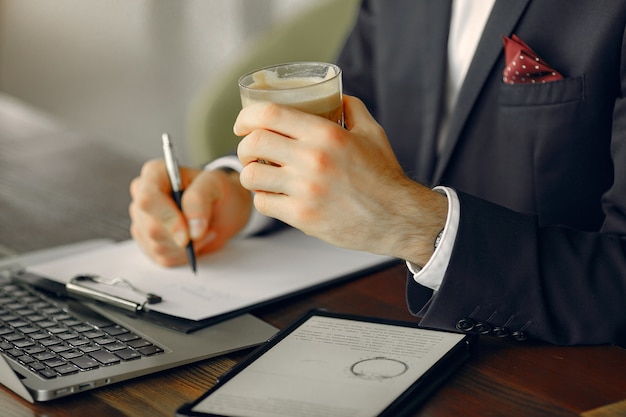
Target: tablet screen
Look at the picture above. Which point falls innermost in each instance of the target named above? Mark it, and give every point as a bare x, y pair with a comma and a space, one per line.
331, 367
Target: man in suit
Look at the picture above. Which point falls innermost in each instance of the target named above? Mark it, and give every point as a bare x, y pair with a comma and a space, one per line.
525, 233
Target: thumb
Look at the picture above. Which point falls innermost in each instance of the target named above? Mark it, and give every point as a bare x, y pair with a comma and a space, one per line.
355, 112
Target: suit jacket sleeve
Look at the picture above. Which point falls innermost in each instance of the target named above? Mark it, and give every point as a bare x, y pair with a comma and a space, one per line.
508, 276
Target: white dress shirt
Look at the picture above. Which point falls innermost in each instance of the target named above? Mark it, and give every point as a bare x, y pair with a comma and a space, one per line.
466, 27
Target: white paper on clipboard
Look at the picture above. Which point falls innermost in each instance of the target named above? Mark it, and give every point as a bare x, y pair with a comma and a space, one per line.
245, 273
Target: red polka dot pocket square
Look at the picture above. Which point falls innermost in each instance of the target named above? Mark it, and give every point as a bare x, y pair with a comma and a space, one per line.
524, 66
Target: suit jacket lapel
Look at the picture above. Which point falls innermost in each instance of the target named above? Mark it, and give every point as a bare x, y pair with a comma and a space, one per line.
431, 20
501, 22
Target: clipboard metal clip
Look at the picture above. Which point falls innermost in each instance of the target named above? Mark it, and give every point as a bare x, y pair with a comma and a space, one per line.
75, 286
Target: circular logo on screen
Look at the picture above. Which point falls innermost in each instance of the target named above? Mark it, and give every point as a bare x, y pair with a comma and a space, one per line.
378, 368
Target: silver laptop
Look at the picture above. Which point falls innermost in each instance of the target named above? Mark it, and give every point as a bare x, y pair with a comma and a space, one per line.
53, 347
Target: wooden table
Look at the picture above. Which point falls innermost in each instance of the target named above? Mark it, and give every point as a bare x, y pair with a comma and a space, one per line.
58, 187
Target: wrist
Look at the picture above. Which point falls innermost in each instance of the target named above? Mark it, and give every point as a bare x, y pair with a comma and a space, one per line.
428, 222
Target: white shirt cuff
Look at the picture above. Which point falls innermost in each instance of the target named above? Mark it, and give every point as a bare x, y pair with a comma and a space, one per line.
257, 222
431, 275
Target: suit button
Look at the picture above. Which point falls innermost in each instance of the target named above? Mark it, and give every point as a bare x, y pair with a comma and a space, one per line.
465, 325
483, 328
500, 331
519, 336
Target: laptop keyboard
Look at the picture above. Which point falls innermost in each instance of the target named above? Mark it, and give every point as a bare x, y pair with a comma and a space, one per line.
52, 340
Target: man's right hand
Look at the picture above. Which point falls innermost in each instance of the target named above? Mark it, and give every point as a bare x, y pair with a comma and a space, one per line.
215, 207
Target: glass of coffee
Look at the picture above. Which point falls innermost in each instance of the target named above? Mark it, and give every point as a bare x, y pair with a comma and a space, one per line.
313, 87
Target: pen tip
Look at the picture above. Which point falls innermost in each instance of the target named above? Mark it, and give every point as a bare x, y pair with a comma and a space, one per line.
192, 257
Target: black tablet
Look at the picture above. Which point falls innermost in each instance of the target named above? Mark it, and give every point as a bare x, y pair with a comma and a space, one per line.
329, 364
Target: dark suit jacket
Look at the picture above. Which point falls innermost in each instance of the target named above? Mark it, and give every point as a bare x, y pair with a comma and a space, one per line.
540, 169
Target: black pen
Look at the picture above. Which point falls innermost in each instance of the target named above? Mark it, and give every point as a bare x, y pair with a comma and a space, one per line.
174, 173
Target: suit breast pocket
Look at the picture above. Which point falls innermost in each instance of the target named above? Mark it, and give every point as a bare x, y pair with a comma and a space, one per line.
556, 92
555, 139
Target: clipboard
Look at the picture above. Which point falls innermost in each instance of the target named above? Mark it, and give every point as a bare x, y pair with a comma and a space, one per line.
73, 289
247, 274
335, 365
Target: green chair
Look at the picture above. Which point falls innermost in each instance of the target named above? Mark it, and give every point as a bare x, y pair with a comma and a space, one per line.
315, 35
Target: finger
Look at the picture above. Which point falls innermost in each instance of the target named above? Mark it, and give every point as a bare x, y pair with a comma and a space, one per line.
157, 214
220, 205
258, 177
154, 172
266, 147
278, 118
155, 241
154, 209
274, 205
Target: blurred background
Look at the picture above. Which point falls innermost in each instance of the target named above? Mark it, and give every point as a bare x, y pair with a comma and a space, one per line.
127, 70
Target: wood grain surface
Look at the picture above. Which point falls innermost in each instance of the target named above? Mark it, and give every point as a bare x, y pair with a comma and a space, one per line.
58, 186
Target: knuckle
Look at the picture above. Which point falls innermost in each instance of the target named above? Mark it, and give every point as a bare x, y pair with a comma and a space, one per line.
153, 230
317, 190
254, 139
152, 166
307, 215
142, 201
132, 210
321, 160
165, 260
328, 146
335, 135
135, 186
270, 111
161, 251
154, 249
247, 146
134, 231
